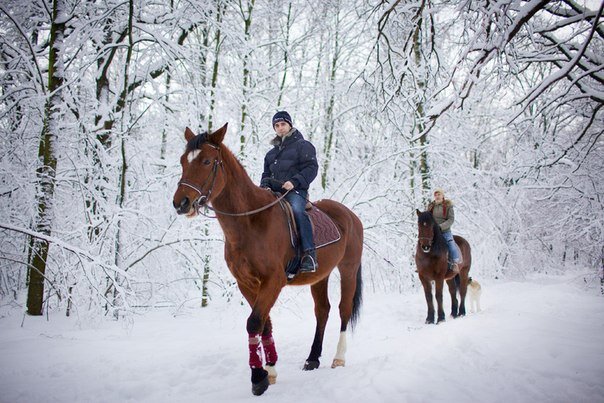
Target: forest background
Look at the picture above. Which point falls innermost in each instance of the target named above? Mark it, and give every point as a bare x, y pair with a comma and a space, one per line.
497, 102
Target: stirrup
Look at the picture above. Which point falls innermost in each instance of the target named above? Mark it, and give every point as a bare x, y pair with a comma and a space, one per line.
451, 274
308, 269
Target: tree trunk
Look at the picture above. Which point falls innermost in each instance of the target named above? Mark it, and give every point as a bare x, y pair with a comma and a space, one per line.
420, 115
329, 117
315, 112
285, 55
46, 153
247, 20
219, 14
125, 123
103, 126
205, 293
164, 134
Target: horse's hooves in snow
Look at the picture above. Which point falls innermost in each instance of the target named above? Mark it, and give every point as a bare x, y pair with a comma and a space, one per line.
259, 381
260, 387
337, 363
310, 365
272, 374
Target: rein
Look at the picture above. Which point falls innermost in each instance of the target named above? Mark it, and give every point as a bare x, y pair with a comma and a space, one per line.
271, 204
202, 199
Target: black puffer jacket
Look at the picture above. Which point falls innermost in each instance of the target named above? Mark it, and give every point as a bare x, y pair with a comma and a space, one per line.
293, 159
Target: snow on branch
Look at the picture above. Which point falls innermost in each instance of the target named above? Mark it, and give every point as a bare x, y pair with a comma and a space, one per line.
62, 244
565, 70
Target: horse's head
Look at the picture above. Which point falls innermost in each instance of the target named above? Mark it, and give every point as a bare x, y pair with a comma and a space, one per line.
425, 224
201, 177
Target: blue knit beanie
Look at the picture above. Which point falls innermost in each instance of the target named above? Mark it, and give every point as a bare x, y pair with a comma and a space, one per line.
282, 116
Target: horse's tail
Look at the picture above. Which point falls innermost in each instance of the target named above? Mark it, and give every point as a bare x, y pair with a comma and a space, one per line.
357, 299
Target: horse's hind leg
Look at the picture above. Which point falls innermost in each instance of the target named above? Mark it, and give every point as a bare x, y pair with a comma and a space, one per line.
453, 291
320, 296
351, 289
463, 289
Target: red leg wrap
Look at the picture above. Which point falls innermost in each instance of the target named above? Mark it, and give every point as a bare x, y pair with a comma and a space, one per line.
255, 351
270, 352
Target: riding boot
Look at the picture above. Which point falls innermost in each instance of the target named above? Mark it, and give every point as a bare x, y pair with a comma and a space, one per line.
452, 271
309, 262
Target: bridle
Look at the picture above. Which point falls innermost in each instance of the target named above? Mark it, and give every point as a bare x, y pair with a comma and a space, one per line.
202, 199
429, 240
426, 238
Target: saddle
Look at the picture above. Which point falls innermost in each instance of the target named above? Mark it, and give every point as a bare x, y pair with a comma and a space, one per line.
324, 231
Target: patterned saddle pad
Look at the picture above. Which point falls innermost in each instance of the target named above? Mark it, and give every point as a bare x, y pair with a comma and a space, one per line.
324, 230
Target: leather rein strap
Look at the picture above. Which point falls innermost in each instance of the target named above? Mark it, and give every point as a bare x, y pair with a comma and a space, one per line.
271, 204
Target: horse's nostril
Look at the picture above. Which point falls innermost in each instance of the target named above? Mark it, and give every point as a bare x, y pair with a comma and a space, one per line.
183, 207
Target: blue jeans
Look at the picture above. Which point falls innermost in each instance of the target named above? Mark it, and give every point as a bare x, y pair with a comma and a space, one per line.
454, 252
298, 203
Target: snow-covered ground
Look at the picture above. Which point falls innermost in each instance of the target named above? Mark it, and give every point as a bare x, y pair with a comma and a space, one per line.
540, 340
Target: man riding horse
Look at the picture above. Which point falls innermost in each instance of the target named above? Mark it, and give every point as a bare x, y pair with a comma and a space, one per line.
293, 162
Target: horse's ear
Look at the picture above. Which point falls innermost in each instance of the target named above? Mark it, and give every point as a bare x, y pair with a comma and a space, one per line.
189, 134
218, 135
417, 212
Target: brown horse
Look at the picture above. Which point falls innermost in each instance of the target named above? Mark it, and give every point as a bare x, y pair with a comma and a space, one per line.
431, 255
257, 248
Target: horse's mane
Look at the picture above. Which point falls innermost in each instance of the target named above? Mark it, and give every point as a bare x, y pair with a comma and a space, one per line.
197, 141
439, 245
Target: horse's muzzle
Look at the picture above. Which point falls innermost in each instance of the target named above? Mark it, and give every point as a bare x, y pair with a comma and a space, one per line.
184, 207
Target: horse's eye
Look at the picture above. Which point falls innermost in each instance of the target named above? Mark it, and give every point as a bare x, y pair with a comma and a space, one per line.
206, 162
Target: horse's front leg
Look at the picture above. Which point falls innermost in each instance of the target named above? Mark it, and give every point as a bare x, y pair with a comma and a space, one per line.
270, 351
265, 299
427, 284
438, 285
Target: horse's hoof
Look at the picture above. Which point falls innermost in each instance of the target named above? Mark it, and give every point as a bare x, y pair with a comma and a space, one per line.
272, 374
310, 365
260, 387
337, 363
260, 381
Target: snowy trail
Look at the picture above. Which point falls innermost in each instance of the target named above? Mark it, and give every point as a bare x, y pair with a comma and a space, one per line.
534, 341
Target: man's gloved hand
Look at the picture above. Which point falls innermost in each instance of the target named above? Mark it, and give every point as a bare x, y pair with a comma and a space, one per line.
271, 183
265, 183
